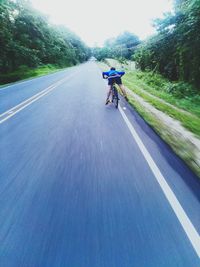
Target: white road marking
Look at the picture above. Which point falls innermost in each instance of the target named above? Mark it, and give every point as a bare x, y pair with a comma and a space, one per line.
29, 99
18, 83
187, 225
27, 81
14, 110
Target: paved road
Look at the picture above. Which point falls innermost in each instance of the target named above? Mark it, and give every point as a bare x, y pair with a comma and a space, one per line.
79, 189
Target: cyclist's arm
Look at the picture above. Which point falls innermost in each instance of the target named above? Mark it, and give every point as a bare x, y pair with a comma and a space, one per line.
121, 73
105, 74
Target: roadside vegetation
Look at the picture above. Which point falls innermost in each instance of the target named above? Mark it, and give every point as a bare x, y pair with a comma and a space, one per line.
188, 120
185, 147
185, 143
154, 89
168, 63
24, 72
176, 93
164, 80
173, 52
30, 45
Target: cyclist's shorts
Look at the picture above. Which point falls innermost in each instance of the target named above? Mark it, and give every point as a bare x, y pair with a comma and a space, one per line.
116, 80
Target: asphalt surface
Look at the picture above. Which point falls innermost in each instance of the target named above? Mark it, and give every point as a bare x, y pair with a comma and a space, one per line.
75, 189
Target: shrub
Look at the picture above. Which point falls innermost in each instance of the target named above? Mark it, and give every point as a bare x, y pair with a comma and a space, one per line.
152, 79
180, 89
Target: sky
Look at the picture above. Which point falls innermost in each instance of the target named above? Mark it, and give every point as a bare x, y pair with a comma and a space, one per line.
95, 21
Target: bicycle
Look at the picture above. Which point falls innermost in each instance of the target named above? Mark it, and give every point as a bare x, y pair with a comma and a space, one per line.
115, 97
114, 93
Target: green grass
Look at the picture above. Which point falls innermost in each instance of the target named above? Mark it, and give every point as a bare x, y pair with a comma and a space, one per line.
135, 81
184, 150
190, 122
157, 88
24, 73
160, 87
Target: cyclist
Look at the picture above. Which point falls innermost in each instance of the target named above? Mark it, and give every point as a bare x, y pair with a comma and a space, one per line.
114, 76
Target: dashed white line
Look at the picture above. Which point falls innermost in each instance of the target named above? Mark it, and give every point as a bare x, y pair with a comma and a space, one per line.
14, 110
187, 225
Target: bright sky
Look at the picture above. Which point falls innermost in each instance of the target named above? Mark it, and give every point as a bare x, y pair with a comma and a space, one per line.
95, 21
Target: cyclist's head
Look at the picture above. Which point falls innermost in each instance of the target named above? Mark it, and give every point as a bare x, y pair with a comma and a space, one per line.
112, 68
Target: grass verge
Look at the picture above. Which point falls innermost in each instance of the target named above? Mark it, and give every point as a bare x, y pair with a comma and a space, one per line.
25, 73
158, 86
187, 151
189, 121
182, 149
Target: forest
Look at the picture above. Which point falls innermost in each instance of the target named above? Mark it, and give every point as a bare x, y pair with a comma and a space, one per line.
28, 41
163, 76
174, 52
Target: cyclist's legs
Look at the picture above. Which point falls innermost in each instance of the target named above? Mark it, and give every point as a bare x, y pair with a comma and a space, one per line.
109, 91
122, 88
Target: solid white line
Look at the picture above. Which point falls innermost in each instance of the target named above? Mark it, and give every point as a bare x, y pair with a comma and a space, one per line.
32, 97
24, 102
24, 106
27, 81
14, 110
176, 206
18, 83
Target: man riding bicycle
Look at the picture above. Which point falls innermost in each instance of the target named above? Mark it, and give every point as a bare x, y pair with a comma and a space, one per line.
114, 76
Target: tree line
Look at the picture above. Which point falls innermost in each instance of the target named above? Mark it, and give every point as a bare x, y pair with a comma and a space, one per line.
120, 47
173, 52
28, 39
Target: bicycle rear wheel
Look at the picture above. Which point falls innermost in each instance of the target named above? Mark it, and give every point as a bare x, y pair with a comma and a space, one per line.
115, 97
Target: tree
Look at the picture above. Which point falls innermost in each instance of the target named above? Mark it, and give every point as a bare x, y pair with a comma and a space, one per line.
27, 38
123, 46
175, 50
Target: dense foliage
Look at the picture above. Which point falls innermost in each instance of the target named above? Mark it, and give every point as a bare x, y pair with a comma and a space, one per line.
123, 46
27, 39
175, 50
